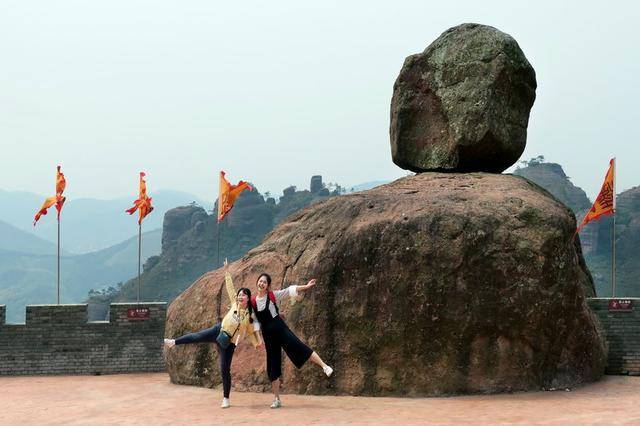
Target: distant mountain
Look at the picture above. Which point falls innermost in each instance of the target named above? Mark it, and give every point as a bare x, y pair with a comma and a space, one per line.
14, 239
88, 224
189, 243
627, 247
367, 185
551, 177
28, 278
19, 207
596, 236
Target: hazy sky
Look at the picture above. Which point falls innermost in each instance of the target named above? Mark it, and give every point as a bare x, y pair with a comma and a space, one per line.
273, 92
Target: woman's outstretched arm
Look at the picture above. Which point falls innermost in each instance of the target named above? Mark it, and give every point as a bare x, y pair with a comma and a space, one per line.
302, 288
293, 290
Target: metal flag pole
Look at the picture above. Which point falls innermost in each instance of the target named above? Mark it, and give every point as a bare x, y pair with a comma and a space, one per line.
139, 255
58, 258
613, 235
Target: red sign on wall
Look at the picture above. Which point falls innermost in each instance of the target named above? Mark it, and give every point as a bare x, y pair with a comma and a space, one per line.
620, 305
138, 313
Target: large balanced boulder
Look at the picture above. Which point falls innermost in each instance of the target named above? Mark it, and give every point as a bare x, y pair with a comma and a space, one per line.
434, 284
463, 104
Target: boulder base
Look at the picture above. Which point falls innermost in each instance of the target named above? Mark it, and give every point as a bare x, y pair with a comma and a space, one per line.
434, 284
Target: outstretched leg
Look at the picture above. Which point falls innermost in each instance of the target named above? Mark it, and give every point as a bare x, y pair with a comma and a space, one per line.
299, 353
315, 358
206, 335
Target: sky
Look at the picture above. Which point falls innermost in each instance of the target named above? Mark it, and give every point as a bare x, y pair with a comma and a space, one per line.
275, 92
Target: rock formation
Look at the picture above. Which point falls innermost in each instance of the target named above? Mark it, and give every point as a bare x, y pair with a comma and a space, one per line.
316, 184
628, 242
189, 244
595, 238
463, 104
627, 247
439, 283
434, 284
551, 177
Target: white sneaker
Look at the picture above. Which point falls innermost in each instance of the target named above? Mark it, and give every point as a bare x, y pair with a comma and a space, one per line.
276, 403
225, 403
328, 371
169, 343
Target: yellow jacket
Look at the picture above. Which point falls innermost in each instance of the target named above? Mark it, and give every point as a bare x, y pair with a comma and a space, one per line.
236, 322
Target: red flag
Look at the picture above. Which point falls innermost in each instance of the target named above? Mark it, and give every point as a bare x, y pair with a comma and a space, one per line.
605, 201
143, 203
228, 195
58, 200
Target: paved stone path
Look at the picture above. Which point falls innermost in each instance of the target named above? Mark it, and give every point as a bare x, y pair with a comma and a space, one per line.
144, 399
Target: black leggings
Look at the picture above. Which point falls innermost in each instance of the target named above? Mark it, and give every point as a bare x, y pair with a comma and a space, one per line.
226, 355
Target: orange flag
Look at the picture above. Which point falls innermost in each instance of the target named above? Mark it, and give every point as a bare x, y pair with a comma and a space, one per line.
143, 203
228, 195
58, 200
605, 202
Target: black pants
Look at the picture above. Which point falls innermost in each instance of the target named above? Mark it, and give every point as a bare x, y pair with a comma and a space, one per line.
278, 336
226, 355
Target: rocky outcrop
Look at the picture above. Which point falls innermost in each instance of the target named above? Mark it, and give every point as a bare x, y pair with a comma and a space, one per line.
433, 284
595, 238
189, 244
316, 184
552, 177
463, 104
628, 223
627, 246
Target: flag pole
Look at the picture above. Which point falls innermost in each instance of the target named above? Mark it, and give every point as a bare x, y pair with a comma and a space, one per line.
218, 242
139, 255
58, 258
613, 235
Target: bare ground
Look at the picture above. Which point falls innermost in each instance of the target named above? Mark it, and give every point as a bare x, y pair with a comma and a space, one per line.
143, 399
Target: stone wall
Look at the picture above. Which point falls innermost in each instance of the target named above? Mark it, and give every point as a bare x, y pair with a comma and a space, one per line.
58, 339
622, 331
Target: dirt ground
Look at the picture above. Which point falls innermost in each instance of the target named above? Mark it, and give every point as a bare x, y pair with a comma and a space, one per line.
144, 399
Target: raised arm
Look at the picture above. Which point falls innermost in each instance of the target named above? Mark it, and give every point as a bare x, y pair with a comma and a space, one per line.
228, 282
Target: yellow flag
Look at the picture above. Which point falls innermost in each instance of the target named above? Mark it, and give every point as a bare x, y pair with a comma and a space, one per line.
228, 195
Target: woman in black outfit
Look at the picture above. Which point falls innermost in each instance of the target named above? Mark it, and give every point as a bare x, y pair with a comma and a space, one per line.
278, 336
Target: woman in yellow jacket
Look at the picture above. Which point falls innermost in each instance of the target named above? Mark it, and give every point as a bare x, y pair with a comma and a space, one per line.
240, 321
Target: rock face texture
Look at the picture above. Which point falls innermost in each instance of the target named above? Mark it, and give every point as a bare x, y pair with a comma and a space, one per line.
463, 104
435, 284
